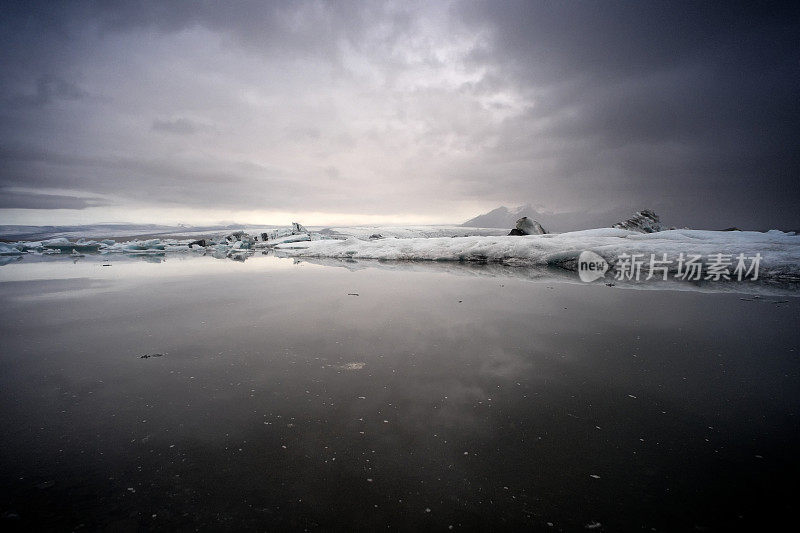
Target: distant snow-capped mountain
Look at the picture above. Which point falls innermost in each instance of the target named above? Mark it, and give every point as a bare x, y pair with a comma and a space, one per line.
502, 217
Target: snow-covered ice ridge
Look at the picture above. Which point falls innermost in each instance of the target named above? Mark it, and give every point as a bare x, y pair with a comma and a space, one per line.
780, 252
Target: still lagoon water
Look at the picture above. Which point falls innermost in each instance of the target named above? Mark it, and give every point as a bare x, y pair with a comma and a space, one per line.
202, 394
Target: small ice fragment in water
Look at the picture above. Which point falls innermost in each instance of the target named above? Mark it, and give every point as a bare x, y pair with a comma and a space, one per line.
595, 476
427, 509
631, 396
593, 525
353, 366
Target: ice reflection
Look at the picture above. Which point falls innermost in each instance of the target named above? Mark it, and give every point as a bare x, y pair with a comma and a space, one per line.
122, 267
549, 274
148, 265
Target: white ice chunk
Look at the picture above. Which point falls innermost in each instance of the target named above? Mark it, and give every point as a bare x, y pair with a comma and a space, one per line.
8, 249
780, 252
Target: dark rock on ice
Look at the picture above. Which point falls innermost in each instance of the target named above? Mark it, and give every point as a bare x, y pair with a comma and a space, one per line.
526, 226
199, 242
235, 236
644, 221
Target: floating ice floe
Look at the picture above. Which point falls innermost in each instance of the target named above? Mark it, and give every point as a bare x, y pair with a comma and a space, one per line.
644, 221
64, 244
779, 251
9, 249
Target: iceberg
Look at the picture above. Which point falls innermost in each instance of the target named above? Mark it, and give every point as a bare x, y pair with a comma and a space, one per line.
150, 245
300, 237
63, 243
298, 228
644, 221
8, 249
526, 226
779, 251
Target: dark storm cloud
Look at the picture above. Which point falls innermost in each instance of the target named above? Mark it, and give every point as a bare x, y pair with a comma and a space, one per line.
139, 179
382, 107
689, 106
27, 200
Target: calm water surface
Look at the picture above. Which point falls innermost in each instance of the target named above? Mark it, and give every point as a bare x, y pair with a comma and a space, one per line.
298, 396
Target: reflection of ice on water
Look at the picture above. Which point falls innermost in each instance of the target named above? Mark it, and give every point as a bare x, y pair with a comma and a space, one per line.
130, 266
551, 274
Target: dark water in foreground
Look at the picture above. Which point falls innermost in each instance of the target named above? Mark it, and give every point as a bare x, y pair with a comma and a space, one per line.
427, 401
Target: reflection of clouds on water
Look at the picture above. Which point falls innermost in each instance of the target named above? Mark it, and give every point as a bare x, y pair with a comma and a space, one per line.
505, 364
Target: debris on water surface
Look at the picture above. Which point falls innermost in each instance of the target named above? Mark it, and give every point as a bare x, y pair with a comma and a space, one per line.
352, 294
149, 355
353, 366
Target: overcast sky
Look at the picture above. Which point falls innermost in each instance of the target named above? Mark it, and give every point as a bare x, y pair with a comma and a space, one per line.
429, 112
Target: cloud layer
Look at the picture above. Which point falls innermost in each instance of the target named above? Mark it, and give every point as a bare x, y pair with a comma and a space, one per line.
433, 111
